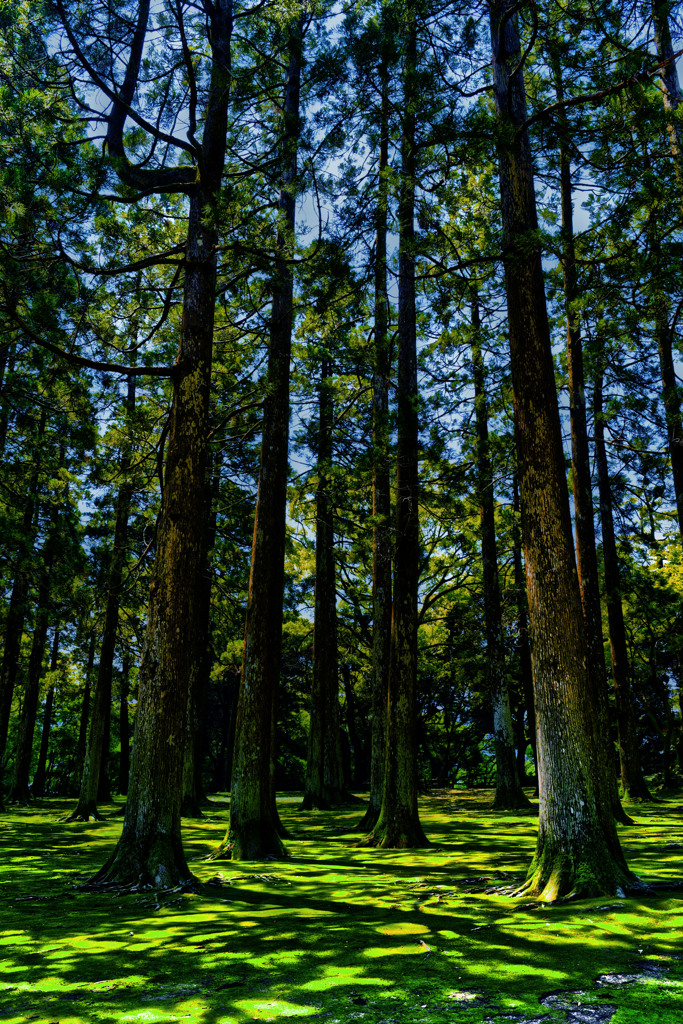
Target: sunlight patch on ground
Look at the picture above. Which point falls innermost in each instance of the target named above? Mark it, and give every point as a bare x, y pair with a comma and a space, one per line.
335, 931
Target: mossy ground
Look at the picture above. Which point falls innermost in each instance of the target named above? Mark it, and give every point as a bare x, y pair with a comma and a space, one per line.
334, 933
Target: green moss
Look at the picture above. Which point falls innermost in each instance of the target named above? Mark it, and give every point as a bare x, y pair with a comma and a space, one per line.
335, 932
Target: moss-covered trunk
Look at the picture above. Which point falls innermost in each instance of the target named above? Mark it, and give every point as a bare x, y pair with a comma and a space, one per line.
253, 831
578, 849
398, 824
509, 792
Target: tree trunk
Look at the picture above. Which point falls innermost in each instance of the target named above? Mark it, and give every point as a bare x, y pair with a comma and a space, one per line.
253, 830
671, 89
509, 792
103, 792
230, 699
124, 726
193, 790
94, 780
523, 649
582, 485
381, 471
39, 779
671, 92
16, 613
324, 776
6, 367
578, 850
633, 784
358, 766
150, 850
19, 791
85, 712
399, 823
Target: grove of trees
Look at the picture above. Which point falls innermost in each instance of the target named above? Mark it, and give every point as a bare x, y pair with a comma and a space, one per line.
340, 417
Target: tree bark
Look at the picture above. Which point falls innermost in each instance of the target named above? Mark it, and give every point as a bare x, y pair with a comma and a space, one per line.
578, 850
398, 824
16, 613
124, 726
671, 92
94, 780
632, 782
150, 850
381, 471
85, 712
193, 790
671, 89
6, 368
324, 776
509, 792
20, 791
39, 779
253, 829
523, 648
582, 485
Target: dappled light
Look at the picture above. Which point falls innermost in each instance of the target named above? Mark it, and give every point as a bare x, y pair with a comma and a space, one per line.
334, 931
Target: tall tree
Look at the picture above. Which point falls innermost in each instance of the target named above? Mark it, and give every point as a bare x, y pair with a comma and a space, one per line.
578, 848
40, 776
19, 790
150, 848
381, 463
632, 782
398, 824
16, 612
97, 744
509, 792
253, 830
582, 485
193, 792
324, 777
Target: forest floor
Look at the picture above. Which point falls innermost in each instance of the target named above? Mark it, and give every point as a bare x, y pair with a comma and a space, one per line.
336, 933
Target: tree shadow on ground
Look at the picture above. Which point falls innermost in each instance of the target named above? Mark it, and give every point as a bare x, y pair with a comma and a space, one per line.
333, 932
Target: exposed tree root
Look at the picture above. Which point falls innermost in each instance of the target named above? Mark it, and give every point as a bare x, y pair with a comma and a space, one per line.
84, 812
511, 799
556, 875
158, 863
638, 792
396, 837
250, 842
